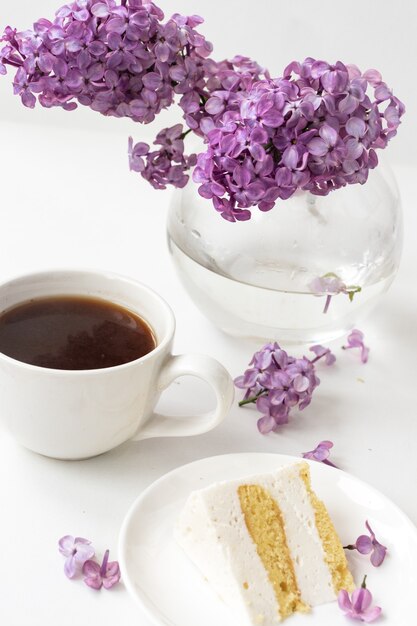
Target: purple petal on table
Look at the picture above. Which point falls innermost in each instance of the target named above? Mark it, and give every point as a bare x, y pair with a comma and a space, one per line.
66, 545
364, 544
110, 581
95, 582
372, 614
330, 358
327, 444
378, 554
83, 553
361, 599
344, 600
319, 350
70, 567
91, 568
266, 424
364, 354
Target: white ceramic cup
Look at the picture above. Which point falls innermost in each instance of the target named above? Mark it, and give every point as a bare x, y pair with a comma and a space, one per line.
69, 414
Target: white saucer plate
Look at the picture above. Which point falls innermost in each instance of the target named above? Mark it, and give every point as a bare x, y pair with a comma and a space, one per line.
172, 592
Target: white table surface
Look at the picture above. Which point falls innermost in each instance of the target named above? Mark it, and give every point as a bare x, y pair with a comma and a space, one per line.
68, 199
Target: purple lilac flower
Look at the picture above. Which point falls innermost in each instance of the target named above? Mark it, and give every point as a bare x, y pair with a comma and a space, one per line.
316, 128
277, 382
165, 165
370, 545
77, 550
105, 575
331, 285
356, 340
320, 453
117, 58
358, 606
320, 352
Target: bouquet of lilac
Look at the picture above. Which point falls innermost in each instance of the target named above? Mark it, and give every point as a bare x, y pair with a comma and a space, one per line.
317, 127
277, 382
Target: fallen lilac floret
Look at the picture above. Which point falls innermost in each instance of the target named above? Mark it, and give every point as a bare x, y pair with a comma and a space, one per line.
356, 340
320, 453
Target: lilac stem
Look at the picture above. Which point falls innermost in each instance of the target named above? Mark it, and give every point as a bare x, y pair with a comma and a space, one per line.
327, 462
253, 399
103, 568
185, 133
326, 306
317, 358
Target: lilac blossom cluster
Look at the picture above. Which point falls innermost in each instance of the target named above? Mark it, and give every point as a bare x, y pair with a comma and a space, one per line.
118, 59
316, 128
165, 165
277, 382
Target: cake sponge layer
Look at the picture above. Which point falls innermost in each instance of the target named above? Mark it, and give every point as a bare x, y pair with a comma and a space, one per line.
265, 524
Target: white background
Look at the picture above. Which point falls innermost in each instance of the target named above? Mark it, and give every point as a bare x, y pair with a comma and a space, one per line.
68, 199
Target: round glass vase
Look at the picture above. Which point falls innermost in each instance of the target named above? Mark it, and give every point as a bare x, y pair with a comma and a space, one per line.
253, 278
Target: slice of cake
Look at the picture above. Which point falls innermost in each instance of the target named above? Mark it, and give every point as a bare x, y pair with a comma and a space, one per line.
266, 544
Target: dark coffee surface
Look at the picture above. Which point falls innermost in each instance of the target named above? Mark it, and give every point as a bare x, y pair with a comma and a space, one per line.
73, 333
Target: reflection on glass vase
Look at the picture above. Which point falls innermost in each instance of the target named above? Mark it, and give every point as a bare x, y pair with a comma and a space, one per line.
257, 278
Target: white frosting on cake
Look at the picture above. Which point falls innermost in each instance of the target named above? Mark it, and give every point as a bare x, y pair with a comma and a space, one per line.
212, 531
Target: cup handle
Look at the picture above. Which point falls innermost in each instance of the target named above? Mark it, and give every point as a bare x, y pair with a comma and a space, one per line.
207, 369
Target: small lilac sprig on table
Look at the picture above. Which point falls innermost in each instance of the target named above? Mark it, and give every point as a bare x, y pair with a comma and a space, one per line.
277, 382
369, 545
356, 340
358, 606
320, 453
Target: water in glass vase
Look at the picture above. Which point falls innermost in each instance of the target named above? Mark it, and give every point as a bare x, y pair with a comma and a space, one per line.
254, 278
285, 314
